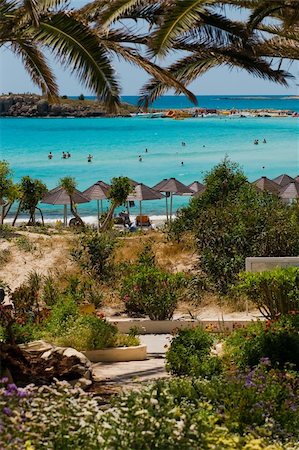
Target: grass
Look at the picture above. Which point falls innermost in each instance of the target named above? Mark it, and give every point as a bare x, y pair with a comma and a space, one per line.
5, 256
25, 244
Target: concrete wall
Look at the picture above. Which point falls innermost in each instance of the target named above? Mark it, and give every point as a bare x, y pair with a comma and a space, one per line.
260, 264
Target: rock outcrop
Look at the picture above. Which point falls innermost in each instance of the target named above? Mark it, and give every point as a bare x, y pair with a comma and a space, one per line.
31, 105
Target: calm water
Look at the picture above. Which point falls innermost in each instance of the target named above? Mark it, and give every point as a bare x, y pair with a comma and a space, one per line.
116, 144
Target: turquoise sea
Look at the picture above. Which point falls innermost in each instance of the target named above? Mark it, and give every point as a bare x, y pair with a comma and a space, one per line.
117, 143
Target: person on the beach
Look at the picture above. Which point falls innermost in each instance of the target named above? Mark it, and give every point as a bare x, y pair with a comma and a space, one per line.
89, 158
50, 156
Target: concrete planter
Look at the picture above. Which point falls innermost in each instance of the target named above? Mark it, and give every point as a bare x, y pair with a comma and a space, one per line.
147, 326
118, 354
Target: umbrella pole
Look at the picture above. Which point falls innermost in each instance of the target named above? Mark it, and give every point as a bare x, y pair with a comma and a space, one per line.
98, 213
65, 215
140, 212
166, 208
101, 206
170, 206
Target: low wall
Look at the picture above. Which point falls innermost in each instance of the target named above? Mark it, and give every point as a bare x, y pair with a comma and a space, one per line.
118, 354
260, 263
146, 326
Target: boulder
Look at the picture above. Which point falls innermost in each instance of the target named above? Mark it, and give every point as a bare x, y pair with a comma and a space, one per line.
42, 107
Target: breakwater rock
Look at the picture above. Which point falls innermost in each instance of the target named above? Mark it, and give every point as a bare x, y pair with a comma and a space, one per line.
30, 105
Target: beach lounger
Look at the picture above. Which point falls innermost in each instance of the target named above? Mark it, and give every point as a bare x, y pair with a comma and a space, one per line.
143, 221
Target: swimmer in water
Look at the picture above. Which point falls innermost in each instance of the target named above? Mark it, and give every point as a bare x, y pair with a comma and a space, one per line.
68, 154
183, 144
182, 163
63, 155
264, 141
140, 159
146, 150
50, 156
89, 158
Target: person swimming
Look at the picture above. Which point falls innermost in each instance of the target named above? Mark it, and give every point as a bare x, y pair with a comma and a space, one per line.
183, 144
146, 150
256, 142
182, 163
264, 141
68, 154
89, 158
64, 155
140, 158
50, 155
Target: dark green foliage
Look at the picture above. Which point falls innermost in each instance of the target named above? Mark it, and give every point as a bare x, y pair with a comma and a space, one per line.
234, 223
31, 192
95, 252
189, 354
81, 97
274, 292
151, 291
278, 341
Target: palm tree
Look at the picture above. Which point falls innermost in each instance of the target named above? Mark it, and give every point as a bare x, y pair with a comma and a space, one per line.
207, 37
27, 27
119, 190
69, 185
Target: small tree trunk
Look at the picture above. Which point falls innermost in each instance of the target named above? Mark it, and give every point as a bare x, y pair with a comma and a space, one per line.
74, 212
5, 211
17, 214
108, 219
42, 216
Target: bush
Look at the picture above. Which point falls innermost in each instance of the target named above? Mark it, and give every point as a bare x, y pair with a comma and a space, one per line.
278, 341
190, 354
88, 333
62, 317
95, 253
274, 292
151, 291
234, 222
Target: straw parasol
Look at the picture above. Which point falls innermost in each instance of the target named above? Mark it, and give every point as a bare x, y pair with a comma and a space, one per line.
142, 192
99, 192
197, 188
290, 191
283, 180
172, 186
265, 184
59, 196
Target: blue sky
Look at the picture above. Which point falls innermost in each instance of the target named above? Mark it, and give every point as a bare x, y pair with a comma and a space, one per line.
222, 81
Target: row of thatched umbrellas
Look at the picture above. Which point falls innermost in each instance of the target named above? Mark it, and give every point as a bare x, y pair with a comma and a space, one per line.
99, 192
284, 185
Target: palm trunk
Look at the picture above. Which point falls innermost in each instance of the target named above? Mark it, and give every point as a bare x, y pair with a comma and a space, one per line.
74, 212
5, 210
17, 214
108, 219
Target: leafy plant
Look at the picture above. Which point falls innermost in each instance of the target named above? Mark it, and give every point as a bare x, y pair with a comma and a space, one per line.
5, 256
151, 291
24, 243
274, 292
190, 354
278, 341
94, 253
88, 332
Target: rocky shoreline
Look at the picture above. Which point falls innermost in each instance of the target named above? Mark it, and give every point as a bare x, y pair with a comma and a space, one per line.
30, 105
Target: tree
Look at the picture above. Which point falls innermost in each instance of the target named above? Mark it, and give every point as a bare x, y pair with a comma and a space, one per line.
30, 193
70, 184
207, 38
27, 27
8, 190
118, 193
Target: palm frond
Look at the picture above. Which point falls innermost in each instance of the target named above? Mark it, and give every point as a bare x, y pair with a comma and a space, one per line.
76, 46
37, 67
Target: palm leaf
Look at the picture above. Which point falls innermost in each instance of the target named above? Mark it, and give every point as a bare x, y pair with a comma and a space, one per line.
37, 67
76, 46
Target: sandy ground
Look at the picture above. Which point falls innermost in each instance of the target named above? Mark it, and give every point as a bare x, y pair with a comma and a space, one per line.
43, 254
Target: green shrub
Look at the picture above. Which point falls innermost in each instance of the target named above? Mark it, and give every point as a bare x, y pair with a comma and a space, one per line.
62, 317
95, 254
24, 243
273, 292
5, 256
88, 333
151, 291
278, 341
84, 289
190, 354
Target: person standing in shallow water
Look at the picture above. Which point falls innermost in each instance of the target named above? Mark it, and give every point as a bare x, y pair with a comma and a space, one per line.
89, 158
50, 155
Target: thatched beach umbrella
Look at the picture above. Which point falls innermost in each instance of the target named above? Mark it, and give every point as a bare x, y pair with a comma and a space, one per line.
99, 192
59, 196
197, 187
142, 192
172, 186
290, 191
283, 180
265, 184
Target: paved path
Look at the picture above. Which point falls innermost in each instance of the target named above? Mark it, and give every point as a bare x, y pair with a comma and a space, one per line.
126, 373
